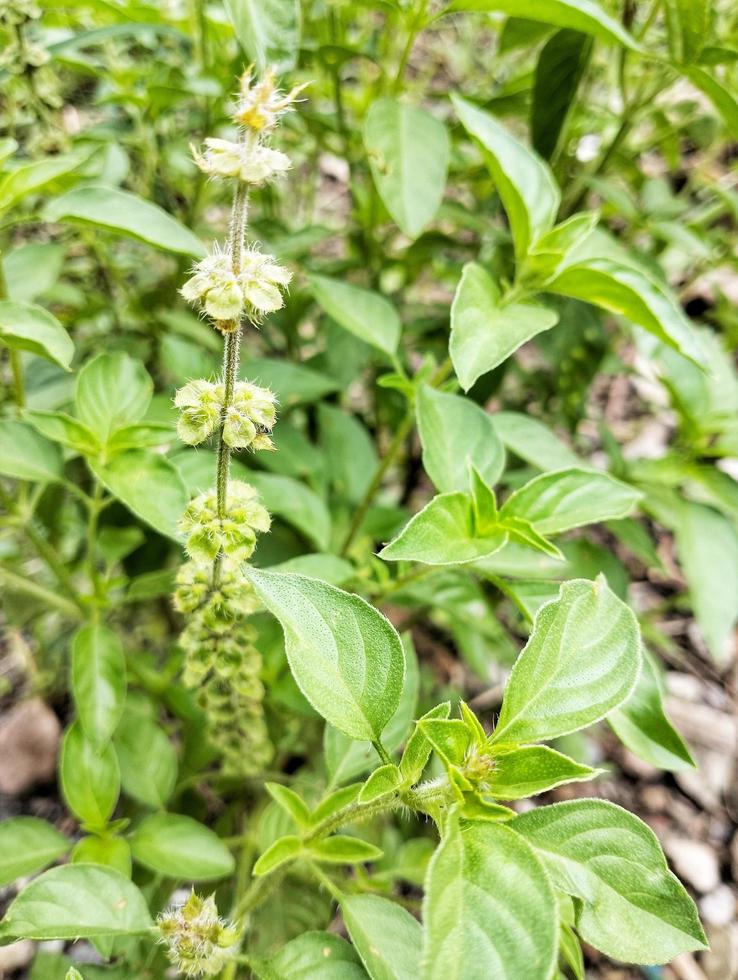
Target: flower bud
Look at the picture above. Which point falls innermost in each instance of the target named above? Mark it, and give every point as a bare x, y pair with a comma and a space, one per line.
201, 403
199, 943
250, 417
250, 162
234, 534
217, 606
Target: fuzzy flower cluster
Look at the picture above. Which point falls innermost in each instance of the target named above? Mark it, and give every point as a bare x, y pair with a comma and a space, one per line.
248, 161
217, 606
225, 295
261, 103
234, 534
198, 942
247, 421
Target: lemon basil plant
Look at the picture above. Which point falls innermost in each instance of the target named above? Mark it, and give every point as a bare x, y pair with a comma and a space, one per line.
265, 779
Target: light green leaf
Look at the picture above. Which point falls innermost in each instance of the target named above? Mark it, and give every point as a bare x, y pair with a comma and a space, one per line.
564, 499
66, 430
418, 749
581, 661
342, 849
26, 455
534, 442
643, 726
312, 956
98, 681
281, 851
632, 293
484, 330
290, 802
688, 22
28, 844
346, 657
629, 904
366, 314
455, 431
531, 769
297, 504
347, 758
386, 936
77, 900
382, 782
113, 390
329, 568
707, 546
125, 213
350, 454
268, 30
292, 383
90, 778
30, 177
31, 270
148, 762
149, 485
24, 326
578, 15
408, 152
526, 186
720, 96
177, 846
113, 852
489, 910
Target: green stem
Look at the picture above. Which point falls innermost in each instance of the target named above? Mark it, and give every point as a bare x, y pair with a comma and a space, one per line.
19, 389
13, 581
382, 752
95, 507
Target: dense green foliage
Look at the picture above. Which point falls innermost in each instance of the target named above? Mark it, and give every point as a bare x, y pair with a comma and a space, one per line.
488, 225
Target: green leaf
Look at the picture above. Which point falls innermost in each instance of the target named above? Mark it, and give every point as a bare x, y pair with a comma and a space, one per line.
581, 661
526, 186
26, 455
454, 432
350, 453
408, 152
418, 748
98, 681
149, 485
268, 30
484, 330
629, 292
148, 762
312, 956
28, 844
345, 656
559, 70
386, 936
689, 27
290, 802
113, 852
64, 429
32, 270
177, 846
292, 383
534, 442
342, 849
643, 726
564, 499
77, 900
366, 314
30, 177
382, 782
629, 905
281, 851
489, 910
578, 15
707, 546
721, 97
443, 533
532, 769
90, 778
449, 738
24, 326
297, 504
125, 213
113, 390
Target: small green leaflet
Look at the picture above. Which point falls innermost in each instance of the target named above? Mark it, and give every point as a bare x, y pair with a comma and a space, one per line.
26, 327
90, 777
26, 455
489, 910
98, 681
630, 906
345, 656
177, 846
387, 937
485, 330
534, 442
455, 431
366, 314
408, 152
28, 844
112, 391
313, 954
581, 661
524, 181
530, 769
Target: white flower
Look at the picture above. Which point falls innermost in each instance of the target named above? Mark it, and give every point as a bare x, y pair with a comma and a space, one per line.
225, 295
261, 103
251, 162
